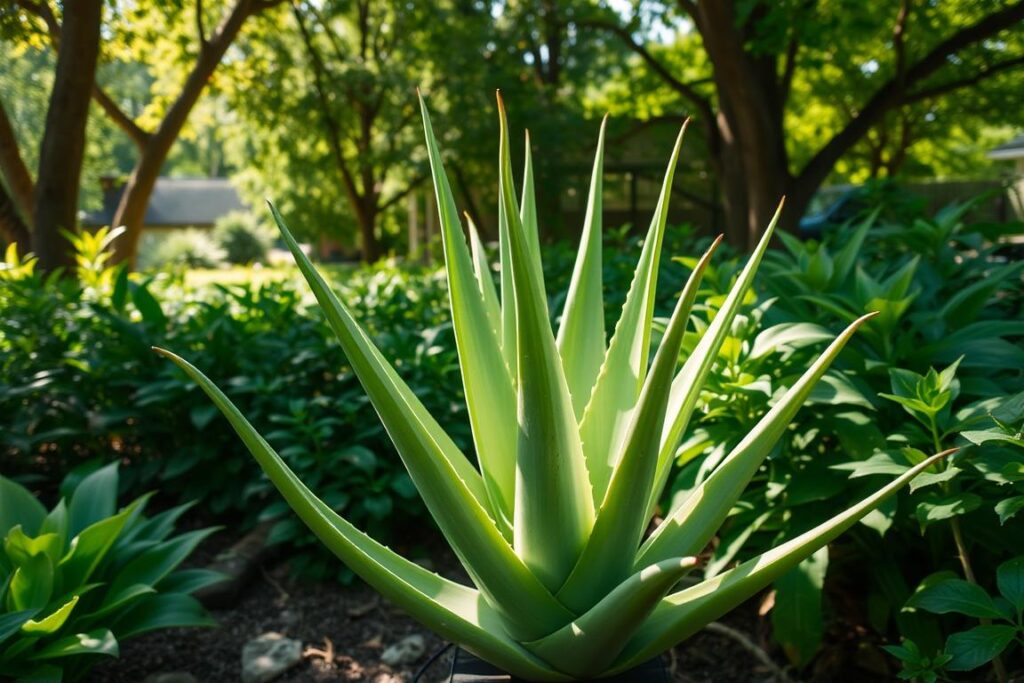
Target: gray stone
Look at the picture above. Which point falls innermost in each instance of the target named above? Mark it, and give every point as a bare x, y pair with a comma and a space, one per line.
170, 677
268, 656
405, 651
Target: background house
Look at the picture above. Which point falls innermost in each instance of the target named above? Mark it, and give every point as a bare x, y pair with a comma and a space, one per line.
176, 203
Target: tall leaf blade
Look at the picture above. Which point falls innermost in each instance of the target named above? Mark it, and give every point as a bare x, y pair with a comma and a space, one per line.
484, 279
450, 487
688, 382
554, 510
682, 614
454, 611
690, 526
606, 417
581, 333
490, 398
528, 208
591, 642
607, 558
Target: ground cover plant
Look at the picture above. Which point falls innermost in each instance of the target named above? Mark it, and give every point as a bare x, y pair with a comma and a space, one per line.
574, 440
80, 578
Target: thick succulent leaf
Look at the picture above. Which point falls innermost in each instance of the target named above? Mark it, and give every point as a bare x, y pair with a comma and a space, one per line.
688, 382
490, 398
508, 294
682, 614
554, 510
581, 333
18, 506
591, 642
693, 523
528, 208
607, 558
455, 612
484, 279
606, 417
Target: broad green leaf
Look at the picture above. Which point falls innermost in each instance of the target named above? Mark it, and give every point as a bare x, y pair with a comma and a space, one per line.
592, 641
796, 617
117, 600
18, 547
1009, 507
788, 335
682, 614
88, 548
846, 259
11, 622
490, 397
51, 623
947, 507
95, 498
189, 580
554, 510
694, 522
154, 564
18, 506
690, 378
1010, 579
453, 611
607, 415
581, 332
955, 595
98, 642
161, 611
607, 559
980, 645
31, 585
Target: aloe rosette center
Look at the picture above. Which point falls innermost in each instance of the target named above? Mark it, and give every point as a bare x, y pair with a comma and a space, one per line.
574, 435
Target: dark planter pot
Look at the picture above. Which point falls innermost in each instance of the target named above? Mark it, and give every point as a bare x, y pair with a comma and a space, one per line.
469, 669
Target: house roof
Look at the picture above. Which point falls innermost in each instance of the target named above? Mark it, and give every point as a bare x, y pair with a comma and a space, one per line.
175, 202
1014, 149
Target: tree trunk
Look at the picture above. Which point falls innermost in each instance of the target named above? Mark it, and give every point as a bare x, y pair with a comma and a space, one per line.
14, 171
131, 210
60, 159
12, 227
366, 217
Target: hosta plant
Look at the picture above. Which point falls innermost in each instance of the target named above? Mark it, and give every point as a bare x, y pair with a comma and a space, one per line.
574, 438
76, 580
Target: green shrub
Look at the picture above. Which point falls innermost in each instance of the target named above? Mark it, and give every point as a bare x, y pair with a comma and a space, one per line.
77, 580
243, 237
191, 248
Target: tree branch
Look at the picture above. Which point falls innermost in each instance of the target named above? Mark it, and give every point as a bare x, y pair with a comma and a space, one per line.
892, 93
684, 89
944, 88
200, 28
13, 168
398, 196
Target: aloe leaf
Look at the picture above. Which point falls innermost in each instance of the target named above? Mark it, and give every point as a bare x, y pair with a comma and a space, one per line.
591, 642
508, 294
490, 398
694, 522
441, 473
454, 611
554, 510
606, 417
686, 612
607, 558
688, 382
581, 332
484, 279
528, 208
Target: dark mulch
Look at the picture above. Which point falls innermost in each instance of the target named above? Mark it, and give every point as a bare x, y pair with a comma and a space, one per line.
354, 625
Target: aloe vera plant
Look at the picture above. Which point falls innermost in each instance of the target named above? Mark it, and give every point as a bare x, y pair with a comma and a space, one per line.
574, 438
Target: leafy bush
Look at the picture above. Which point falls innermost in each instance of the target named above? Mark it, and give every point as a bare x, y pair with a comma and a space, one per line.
243, 237
191, 248
77, 580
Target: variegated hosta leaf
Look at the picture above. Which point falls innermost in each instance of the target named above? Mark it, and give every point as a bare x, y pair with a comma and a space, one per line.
622, 374
554, 510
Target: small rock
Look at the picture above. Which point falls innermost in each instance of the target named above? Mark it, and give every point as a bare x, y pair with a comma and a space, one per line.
170, 677
268, 656
405, 651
